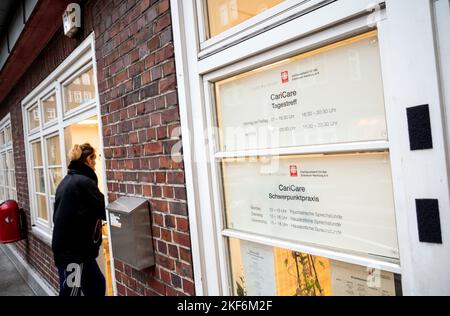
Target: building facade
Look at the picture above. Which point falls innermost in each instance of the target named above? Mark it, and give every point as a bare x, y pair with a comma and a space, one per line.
285, 147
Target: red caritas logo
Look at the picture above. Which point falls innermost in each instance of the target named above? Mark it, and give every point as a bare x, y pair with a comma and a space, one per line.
293, 170
285, 77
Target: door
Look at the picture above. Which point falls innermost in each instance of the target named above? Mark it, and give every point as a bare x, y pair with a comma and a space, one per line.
87, 131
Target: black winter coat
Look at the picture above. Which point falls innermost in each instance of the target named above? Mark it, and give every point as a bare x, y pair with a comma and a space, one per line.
79, 209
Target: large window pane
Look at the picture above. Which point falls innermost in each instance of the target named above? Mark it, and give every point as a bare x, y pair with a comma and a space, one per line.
11, 168
343, 201
224, 14
79, 90
49, 108
3, 183
42, 206
33, 118
8, 135
39, 180
37, 154
260, 270
53, 151
306, 100
55, 177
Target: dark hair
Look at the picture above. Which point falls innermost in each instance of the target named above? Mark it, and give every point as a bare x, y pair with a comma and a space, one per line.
81, 152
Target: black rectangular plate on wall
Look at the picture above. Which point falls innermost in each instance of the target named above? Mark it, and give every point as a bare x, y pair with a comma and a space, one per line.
419, 127
428, 221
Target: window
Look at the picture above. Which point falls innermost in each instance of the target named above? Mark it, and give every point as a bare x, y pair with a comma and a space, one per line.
260, 270
66, 99
33, 118
49, 108
39, 181
290, 178
79, 90
7, 168
225, 14
54, 160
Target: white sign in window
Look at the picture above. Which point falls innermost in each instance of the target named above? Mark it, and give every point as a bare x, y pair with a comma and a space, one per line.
330, 95
341, 201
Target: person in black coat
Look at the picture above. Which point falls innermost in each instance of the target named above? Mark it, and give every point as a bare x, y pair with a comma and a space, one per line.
77, 235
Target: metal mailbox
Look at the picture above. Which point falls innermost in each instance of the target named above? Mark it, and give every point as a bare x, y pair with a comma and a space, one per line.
131, 234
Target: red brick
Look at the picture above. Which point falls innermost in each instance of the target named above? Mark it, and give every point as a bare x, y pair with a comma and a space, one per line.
163, 6
185, 255
158, 219
157, 286
188, 287
168, 192
176, 177
182, 224
173, 251
134, 138
167, 84
169, 68
181, 239
169, 221
166, 262
166, 235
153, 148
165, 276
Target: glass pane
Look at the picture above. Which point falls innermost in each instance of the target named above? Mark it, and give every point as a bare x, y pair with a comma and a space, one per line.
306, 100
42, 207
53, 151
55, 177
10, 159
49, 107
2, 137
12, 176
37, 154
4, 170
12, 194
33, 118
79, 91
39, 180
2, 161
8, 134
260, 270
342, 201
224, 14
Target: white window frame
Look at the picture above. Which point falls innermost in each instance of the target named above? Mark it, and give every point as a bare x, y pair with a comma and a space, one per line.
8, 148
55, 120
83, 105
216, 155
406, 83
280, 13
80, 59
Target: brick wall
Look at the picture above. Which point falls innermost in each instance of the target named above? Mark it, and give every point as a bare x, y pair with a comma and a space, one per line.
139, 108
137, 84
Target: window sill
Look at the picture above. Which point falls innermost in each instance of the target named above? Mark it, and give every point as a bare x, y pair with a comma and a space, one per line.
42, 235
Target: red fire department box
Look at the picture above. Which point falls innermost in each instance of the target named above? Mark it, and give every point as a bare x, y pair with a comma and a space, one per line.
10, 223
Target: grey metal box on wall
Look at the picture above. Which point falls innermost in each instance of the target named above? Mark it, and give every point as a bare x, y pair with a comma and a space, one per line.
131, 234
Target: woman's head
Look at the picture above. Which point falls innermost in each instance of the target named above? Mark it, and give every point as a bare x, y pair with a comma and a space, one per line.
84, 153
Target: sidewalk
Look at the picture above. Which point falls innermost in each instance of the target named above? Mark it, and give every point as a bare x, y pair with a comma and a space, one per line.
11, 282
